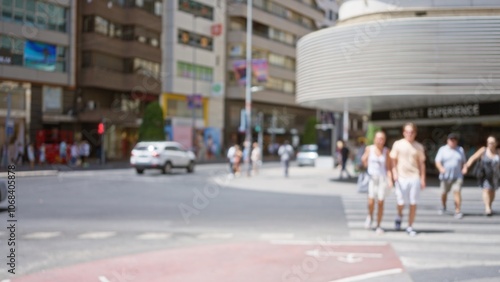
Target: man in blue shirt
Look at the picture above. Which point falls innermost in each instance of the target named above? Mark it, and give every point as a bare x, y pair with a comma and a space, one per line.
451, 163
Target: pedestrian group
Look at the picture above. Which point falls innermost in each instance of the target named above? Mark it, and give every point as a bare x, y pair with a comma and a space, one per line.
403, 169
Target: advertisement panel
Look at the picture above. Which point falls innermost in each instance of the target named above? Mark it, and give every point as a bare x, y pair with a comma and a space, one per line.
40, 56
260, 70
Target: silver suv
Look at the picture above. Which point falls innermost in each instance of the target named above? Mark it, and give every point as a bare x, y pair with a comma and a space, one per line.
163, 155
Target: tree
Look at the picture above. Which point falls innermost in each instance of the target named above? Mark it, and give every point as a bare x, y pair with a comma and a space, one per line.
310, 131
152, 127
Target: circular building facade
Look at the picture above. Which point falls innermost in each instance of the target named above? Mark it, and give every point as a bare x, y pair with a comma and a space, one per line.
399, 57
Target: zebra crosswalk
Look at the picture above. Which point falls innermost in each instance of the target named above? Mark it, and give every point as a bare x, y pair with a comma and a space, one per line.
442, 241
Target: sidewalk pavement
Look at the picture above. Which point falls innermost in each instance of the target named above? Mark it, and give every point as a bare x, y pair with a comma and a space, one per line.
93, 164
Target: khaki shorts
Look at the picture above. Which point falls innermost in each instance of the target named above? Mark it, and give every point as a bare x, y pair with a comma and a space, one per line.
453, 185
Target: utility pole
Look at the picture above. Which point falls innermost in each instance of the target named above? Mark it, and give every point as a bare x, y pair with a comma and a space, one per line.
193, 102
7, 129
248, 86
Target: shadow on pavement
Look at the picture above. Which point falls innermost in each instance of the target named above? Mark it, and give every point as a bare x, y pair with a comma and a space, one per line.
420, 231
352, 180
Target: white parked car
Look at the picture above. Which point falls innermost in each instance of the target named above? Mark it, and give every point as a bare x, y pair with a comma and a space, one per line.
163, 155
307, 155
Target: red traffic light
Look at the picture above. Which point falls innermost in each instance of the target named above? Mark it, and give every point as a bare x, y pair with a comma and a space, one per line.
100, 128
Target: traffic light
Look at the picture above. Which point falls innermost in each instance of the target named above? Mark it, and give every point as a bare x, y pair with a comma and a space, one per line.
100, 128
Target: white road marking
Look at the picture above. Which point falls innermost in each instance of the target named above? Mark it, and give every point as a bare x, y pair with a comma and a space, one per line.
96, 235
103, 279
277, 236
42, 235
318, 253
327, 243
154, 236
216, 236
6, 280
370, 275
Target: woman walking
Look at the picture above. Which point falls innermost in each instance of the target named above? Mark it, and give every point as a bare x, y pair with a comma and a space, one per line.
489, 176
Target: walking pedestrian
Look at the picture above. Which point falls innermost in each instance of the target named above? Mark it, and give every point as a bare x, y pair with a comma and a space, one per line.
286, 152
31, 155
41, 157
74, 154
256, 159
238, 157
408, 172
230, 157
451, 163
86, 153
19, 153
488, 171
344, 157
377, 162
62, 151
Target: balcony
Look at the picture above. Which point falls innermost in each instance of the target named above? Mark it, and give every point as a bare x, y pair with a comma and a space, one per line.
121, 48
122, 15
264, 96
102, 78
262, 41
269, 18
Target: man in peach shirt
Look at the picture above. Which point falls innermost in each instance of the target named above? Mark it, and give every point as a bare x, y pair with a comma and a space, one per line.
408, 170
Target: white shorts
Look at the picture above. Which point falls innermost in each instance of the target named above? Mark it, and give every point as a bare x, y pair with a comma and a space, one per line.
407, 191
377, 188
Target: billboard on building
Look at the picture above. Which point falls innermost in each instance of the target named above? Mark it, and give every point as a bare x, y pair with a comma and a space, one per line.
260, 70
40, 56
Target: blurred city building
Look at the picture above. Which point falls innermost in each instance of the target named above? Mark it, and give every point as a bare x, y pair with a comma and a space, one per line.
37, 70
434, 63
277, 25
119, 69
193, 68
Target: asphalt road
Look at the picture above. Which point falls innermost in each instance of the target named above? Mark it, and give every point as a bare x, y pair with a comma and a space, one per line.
84, 216
114, 225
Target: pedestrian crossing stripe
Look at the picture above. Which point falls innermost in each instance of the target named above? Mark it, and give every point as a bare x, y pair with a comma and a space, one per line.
42, 235
154, 236
97, 235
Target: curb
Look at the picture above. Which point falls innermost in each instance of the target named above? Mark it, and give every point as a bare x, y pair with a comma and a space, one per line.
31, 173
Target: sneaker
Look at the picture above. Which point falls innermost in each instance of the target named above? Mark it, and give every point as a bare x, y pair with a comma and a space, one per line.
442, 211
379, 231
397, 224
459, 215
410, 231
368, 222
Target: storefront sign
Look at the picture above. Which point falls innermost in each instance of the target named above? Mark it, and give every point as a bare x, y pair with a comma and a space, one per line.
440, 112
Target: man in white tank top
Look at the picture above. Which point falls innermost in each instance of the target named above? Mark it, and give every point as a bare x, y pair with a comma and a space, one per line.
376, 160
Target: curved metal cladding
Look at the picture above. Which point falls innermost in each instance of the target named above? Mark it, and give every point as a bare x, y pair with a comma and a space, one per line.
421, 57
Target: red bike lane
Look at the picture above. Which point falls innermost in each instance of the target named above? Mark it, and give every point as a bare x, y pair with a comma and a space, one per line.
242, 262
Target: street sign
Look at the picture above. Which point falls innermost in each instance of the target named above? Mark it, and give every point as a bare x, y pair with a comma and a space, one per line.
194, 101
10, 127
216, 29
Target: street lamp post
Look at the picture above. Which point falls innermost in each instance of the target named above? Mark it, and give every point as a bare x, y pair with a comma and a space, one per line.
7, 129
248, 86
193, 102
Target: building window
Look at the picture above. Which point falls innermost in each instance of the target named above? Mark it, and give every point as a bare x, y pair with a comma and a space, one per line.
187, 70
124, 32
146, 68
196, 8
27, 53
34, 13
195, 40
101, 25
